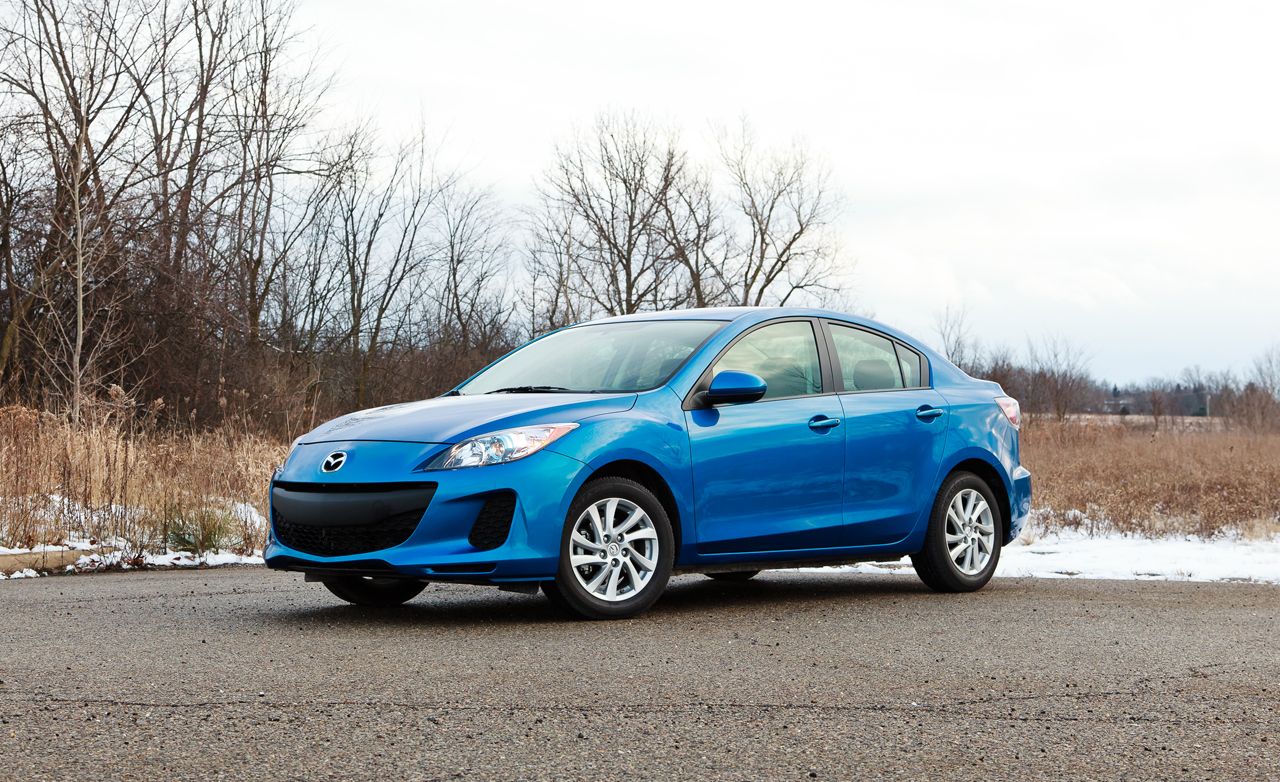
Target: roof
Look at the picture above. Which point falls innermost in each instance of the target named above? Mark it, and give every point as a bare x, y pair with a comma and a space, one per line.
749, 315
752, 315
692, 313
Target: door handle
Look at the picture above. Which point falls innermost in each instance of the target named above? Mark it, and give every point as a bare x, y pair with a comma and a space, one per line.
821, 423
927, 413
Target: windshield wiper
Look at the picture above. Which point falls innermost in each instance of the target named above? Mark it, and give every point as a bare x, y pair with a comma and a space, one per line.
529, 390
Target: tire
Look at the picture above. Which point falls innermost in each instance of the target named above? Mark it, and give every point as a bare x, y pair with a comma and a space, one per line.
556, 599
736, 575
934, 563
375, 592
627, 540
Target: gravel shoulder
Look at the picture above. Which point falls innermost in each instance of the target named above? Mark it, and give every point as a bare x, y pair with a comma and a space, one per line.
247, 673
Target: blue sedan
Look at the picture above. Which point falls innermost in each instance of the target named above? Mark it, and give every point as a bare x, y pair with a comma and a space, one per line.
596, 461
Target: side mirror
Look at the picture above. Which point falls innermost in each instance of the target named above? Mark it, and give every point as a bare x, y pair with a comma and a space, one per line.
734, 387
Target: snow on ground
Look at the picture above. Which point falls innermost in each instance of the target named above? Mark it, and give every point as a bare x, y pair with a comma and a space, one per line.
25, 573
1072, 554
111, 560
170, 558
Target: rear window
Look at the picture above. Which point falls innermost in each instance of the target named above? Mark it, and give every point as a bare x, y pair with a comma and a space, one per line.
868, 362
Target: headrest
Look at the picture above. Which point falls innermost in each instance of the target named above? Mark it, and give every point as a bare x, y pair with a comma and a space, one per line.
873, 374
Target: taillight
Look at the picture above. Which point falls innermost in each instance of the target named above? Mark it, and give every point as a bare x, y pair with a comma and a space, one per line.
1011, 410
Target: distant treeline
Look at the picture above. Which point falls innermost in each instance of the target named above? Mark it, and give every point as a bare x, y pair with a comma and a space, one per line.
1052, 378
176, 224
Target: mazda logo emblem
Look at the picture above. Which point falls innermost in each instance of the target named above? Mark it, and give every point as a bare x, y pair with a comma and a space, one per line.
334, 461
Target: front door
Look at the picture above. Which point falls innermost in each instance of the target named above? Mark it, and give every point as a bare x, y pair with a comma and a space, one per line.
768, 474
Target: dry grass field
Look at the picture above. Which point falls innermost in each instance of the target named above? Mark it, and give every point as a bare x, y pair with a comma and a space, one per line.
123, 480
1140, 480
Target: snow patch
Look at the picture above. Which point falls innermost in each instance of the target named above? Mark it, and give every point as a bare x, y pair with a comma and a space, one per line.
1075, 554
26, 573
169, 559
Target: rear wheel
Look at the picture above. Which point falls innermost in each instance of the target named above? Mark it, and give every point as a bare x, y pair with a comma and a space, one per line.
736, 575
616, 551
962, 545
374, 592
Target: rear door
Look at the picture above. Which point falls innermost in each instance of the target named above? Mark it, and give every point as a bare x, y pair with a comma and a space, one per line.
769, 475
895, 426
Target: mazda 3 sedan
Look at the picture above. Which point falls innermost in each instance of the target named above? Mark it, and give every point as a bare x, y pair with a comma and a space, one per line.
597, 460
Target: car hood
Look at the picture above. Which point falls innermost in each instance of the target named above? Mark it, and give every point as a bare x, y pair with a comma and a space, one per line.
449, 419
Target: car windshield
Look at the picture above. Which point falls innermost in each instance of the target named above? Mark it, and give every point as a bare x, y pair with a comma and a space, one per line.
601, 358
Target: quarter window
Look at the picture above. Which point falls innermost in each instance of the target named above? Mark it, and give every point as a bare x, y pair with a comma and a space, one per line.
868, 362
909, 360
784, 354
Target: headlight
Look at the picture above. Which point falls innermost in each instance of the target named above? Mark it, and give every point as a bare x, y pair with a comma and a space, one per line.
507, 445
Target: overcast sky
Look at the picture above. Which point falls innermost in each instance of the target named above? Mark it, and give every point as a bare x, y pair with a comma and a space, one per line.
1104, 171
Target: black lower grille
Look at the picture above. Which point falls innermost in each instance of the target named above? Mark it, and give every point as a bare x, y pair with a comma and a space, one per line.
335, 521
339, 540
493, 523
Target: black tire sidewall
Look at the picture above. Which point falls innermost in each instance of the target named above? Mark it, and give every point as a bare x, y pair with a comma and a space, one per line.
734, 575
572, 594
374, 593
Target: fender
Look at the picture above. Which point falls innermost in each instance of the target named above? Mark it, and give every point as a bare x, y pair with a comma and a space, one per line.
651, 439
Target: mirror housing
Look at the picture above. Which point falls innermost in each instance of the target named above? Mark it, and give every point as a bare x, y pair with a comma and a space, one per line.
734, 387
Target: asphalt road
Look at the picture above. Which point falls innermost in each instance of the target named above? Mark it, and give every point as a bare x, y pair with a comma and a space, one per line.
246, 673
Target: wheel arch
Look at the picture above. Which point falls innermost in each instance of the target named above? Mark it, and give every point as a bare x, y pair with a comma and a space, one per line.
995, 480
648, 477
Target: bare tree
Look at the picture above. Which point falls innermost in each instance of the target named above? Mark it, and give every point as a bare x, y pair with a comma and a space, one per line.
1158, 398
699, 241
165, 127
958, 344
627, 222
783, 242
1060, 372
1257, 405
604, 203
61, 63
554, 300
469, 285
1266, 371
382, 243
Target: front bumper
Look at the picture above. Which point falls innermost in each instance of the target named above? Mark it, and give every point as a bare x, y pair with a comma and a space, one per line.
441, 546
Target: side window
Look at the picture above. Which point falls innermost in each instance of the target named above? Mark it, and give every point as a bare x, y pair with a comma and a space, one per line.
784, 354
910, 361
868, 362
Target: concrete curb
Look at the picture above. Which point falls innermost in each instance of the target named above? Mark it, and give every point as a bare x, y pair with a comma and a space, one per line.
53, 560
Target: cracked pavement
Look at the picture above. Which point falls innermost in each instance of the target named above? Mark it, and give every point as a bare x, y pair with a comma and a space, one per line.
247, 673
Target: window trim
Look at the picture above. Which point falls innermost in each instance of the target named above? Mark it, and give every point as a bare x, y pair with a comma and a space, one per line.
926, 371
693, 398
923, 364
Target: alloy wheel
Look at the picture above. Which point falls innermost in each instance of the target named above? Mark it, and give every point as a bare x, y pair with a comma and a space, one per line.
613, 549
971, 532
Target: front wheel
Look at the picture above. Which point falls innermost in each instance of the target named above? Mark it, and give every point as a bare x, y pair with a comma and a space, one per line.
616, 552
374, 592
962, 545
